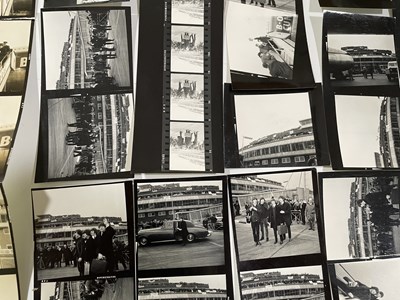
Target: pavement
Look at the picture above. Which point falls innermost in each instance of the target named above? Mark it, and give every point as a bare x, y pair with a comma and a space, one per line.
359, 80
166, 255
303, 241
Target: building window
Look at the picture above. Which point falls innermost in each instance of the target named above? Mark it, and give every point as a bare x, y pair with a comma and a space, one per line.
274, 161
264, 162
256, 163
100, 116
9, 246
286, 160
161, 213
6, 230
170, 213
150, 214
299, 159
141, 216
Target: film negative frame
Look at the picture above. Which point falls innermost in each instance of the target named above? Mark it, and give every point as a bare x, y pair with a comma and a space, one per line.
304, 260
130, 215
226, 268
165, 162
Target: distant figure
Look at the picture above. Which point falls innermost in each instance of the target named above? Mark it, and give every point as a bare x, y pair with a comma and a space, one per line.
182, 231
310, 213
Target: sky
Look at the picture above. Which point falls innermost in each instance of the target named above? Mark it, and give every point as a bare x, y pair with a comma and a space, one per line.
317, 270
260, 115
336, 202
9, 108
47, 290
189, 183
291, 180
379, 273
358, 129
98, 200
373, 41
16, 33
56, 30
214, 281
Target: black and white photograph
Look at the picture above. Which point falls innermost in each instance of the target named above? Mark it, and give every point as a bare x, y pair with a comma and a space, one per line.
10, 107
370, 280
67, 3
186, 150
7, 259
81, 231
283, 283
275, 215
364, 211
99, 289
180, 224
17, 8
187, 12
367, 131
187, 97
357, 3
87, 48
184, 287
187, 49
360, 50
261, 41
279, 132
14, 55
280, 5
9, 286
87, 135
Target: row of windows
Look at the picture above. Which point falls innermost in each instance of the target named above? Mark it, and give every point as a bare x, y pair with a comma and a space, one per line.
275, 161
188, 202
159, 214
245, 187
279, 149
282, 293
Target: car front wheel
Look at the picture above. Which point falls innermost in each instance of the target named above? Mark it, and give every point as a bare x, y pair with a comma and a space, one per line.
191, 237
143, 241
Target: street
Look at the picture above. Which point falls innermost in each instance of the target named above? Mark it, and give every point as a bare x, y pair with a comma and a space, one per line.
359, 80
303, 241
166, 255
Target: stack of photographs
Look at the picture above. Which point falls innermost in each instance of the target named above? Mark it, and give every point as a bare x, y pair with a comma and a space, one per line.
8, 267
358, 3
361, 80
267, 45
284, 130
278, 235
179, 118
364, 208
86, 123
182, 231
14, 64
84, 242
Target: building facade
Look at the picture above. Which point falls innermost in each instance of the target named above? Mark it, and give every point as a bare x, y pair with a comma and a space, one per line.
294, 147
6, 246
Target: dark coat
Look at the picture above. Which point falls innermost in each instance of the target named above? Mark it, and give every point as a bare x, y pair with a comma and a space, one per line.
183, 226
255, 214
377, 199
106, 242
90, 250
273, 217
79, 247
286, 217
263, 210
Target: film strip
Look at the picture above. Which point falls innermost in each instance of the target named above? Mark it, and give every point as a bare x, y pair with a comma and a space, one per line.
187, 116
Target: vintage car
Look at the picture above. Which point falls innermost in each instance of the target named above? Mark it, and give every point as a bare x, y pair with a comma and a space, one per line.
167, 232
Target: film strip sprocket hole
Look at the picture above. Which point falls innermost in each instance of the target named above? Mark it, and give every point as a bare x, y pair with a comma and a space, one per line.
187, 121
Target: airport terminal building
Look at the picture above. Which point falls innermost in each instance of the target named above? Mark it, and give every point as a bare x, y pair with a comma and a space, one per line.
58, 230
276, 286
6, 246
163, 289
293, 147
13, 63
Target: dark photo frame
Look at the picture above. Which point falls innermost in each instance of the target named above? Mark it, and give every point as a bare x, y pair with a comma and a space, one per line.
358, 3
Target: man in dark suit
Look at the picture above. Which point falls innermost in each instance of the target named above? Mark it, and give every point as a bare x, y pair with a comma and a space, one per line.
79, 246
255, 221
285, 213
263, 219
106, 244
183, 231
273, 218
89, 252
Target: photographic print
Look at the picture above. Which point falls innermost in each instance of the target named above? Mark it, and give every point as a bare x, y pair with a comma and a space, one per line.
280, 5
187, 97
186, 150
261, 41
185, 287
187, 12
364, 210
17, 8
99, 289
9, 111
88, 48
180, 224
357, 3
279, 132
360, 50
187, 49
275, 214
9, 286
81, 231
88, 135
370, 280
367, 131
14, 55
7, 260
66, 3
283, 283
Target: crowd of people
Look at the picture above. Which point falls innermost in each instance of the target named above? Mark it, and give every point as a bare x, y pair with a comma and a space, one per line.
261, 2
87, 246
277, 215
358, 290
187, 140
